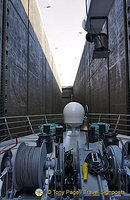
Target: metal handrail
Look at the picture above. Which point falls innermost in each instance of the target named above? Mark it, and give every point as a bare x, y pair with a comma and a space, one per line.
126, 115
23, 116
16, 126
29, 124
119, 123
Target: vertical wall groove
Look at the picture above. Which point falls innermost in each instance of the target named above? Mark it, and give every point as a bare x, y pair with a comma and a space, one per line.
42, 87
126, 58
45, 84
28, 64
2, 93
108, 68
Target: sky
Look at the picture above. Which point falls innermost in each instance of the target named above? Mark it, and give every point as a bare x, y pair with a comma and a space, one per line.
63, 26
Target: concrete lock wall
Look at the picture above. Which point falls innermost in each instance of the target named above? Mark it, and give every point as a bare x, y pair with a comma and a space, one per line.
29, 81
95, 77
1, 13
67, 95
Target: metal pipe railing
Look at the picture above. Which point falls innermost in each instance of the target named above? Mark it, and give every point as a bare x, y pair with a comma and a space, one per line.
10, 126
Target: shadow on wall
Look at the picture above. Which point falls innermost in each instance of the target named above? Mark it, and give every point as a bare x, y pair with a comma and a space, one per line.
28, 85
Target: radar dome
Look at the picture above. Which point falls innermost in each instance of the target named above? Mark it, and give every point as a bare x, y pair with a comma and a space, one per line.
73, 114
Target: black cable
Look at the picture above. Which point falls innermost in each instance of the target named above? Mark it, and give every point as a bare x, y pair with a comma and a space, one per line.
97, 168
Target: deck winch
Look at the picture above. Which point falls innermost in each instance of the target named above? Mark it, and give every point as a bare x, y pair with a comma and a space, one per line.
29, 165
98, 169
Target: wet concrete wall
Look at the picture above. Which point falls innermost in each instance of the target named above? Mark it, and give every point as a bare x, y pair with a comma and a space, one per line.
30, 82
102, 83
1, 6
